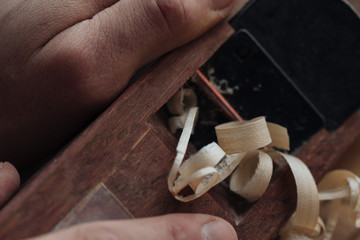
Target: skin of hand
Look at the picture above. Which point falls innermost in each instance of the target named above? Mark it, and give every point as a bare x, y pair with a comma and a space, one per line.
9, 181
168, 227
63, 62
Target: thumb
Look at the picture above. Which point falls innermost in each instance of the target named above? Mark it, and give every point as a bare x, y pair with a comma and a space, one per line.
9, 181
173, 226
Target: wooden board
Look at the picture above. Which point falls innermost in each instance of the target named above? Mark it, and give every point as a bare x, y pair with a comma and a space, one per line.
117, 168
105, 147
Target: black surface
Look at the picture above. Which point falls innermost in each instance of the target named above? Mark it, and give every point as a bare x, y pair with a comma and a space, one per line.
260, 88
297, 62
317, 43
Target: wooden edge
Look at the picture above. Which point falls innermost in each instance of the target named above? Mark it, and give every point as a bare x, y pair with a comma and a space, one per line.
94, 155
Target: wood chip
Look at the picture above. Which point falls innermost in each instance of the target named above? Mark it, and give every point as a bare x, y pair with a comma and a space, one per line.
337, 186
182, 101
305, 222
240, 137
180, 104
252, 177
241, 145
201, 171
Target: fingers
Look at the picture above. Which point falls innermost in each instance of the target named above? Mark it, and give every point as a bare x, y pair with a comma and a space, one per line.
119, 40
45, 19
174, 226
98, 56
36, 22
64, 61
9, 182
143, 30
239, 4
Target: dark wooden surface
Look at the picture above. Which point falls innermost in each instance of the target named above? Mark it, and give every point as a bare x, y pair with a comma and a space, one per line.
110, 151
117, 168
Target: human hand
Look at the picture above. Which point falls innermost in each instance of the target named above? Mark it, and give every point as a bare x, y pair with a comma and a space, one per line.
62, 62
9, 182
174, 226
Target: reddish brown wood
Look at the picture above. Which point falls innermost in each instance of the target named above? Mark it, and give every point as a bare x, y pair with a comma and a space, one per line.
144, 190
98, 153
99, 204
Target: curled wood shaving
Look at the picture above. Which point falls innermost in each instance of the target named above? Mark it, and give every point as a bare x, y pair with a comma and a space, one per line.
180, 104
203, 170
241, 137
176, 186
279, 136
212, 164
337, 186
182, 101
241, 145
305, 222
208, 156
253, 175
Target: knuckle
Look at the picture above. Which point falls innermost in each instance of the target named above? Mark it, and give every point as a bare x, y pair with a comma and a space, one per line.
173, 13
73, 60
80, 59
84, 48
74, 68
177, 232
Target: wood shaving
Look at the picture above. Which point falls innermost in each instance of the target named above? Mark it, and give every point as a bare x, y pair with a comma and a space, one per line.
180, 104
253, 176
337, 186
241, 145
222, 85
241, 137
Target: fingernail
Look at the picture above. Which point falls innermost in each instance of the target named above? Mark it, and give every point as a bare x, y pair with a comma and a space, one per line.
1, 165
218, 230
219, 4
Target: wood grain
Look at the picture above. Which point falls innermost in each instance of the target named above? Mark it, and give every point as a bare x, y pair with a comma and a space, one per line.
105, 145
99, 204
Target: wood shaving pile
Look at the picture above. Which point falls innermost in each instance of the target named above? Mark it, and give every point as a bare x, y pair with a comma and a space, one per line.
241, 146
